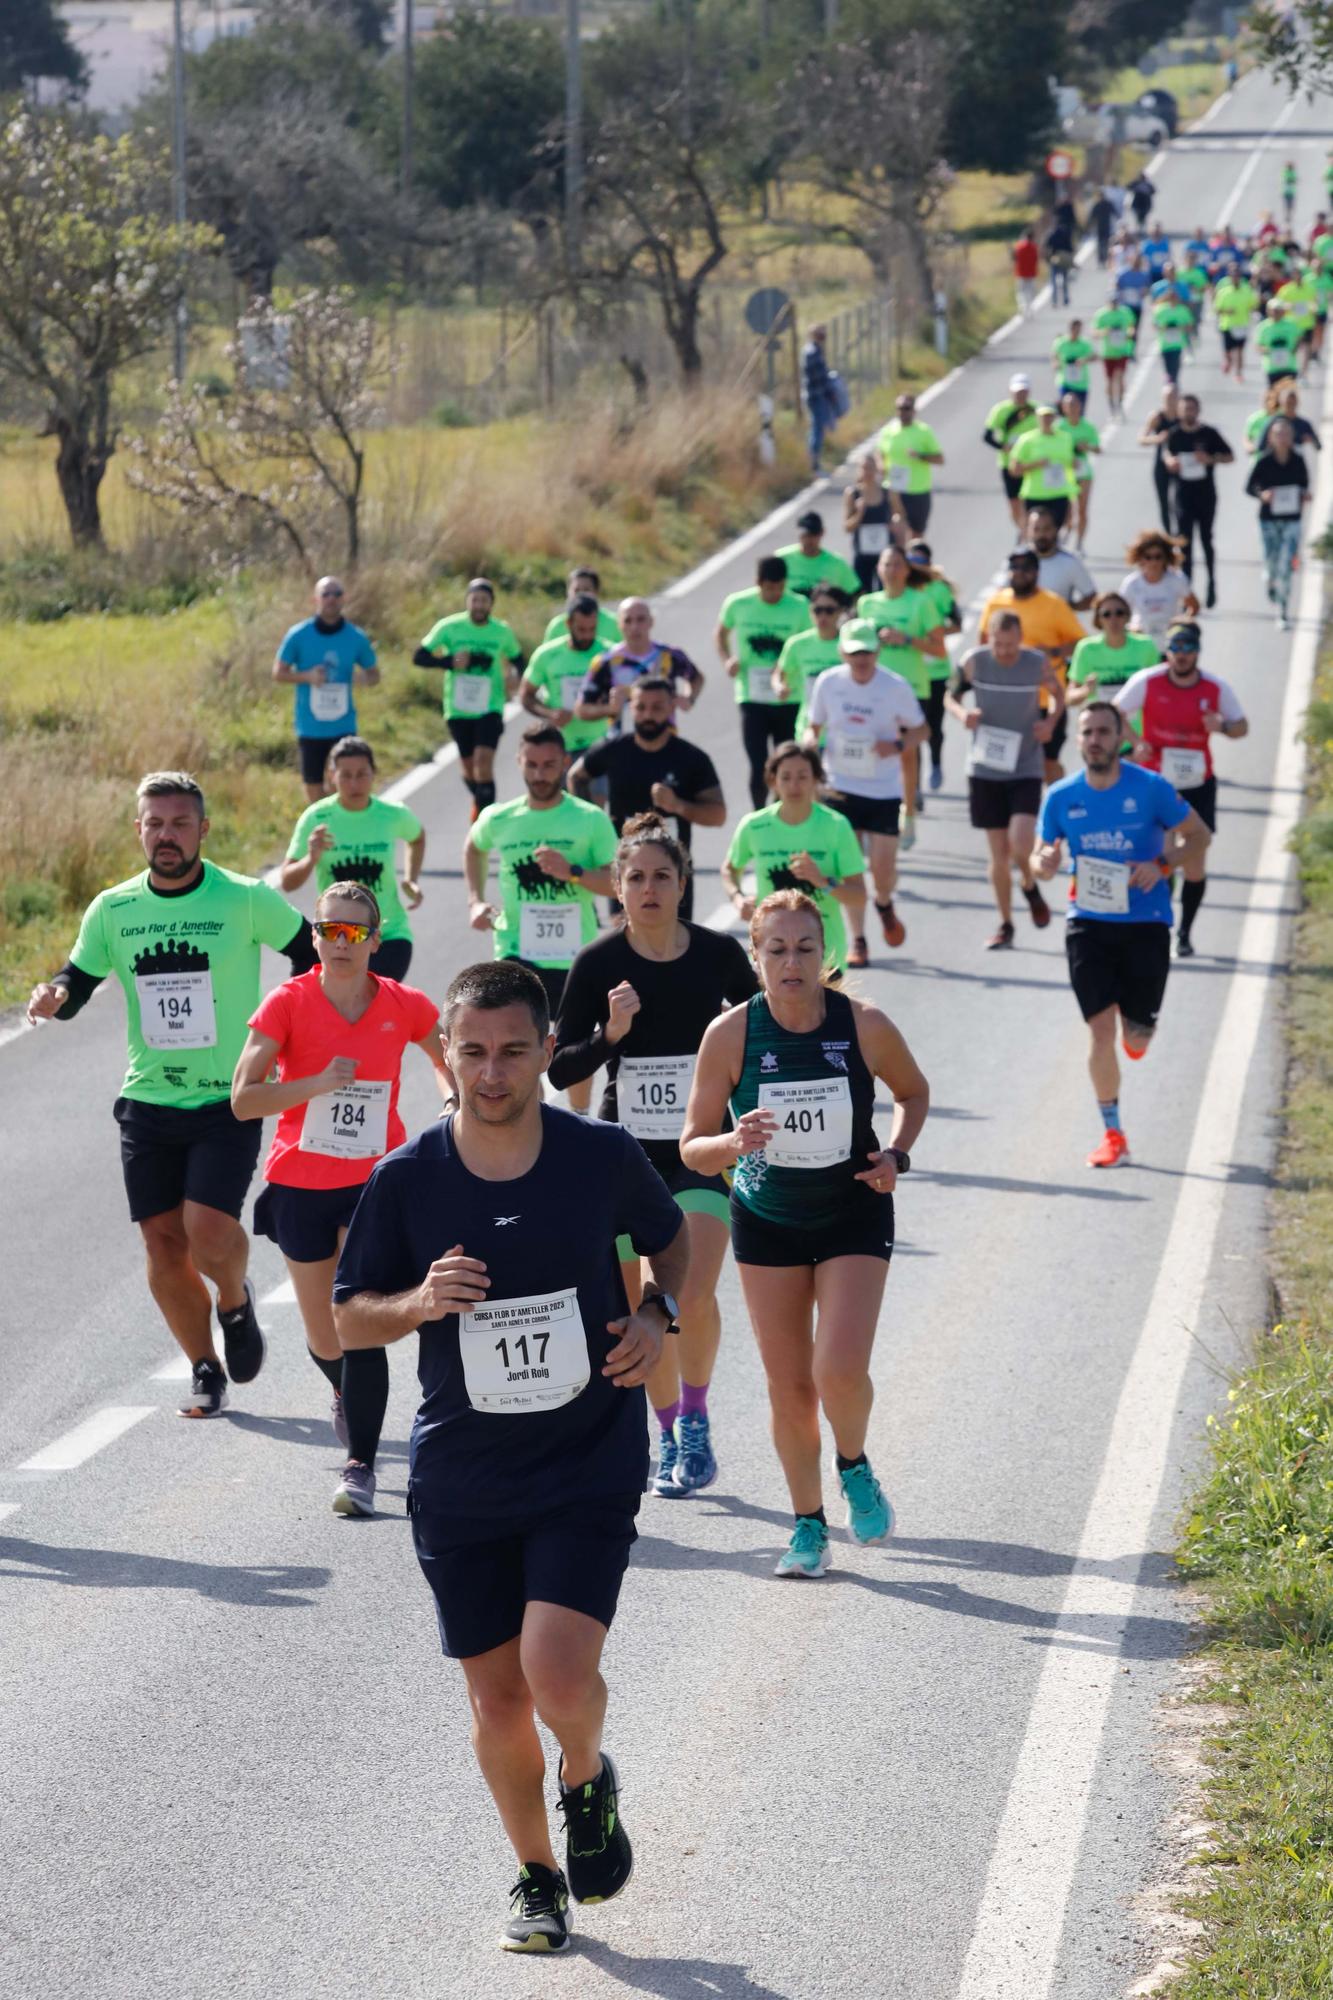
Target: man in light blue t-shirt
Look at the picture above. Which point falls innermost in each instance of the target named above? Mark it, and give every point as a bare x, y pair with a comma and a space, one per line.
1127, 831
324, 658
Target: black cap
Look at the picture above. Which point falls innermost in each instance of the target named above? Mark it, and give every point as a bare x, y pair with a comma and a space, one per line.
812, 523
1024, 553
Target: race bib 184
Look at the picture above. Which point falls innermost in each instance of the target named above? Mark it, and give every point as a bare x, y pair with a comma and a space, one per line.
348, 1124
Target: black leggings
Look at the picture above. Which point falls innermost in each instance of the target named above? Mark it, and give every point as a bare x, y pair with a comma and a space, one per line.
764, 723
933, 704
1196, 507
1161, 479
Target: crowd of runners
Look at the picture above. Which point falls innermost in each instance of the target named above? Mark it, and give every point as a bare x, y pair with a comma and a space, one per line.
561, 1269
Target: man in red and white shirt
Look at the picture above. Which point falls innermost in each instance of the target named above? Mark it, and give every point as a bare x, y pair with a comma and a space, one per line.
1182, 709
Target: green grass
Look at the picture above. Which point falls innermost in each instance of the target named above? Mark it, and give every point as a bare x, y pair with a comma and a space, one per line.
1258, 1535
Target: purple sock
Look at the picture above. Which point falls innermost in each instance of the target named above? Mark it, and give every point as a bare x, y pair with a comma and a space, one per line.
693, 1402
667, 1415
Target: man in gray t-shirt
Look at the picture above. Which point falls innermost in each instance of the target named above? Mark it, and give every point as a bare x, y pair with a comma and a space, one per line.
1007, 682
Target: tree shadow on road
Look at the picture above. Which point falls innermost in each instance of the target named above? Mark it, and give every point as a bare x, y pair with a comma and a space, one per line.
265, 1586
674, 1978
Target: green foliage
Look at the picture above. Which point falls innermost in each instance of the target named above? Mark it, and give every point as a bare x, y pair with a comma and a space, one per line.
44, 585
490, 94
1295, 41
451, 416
34, 42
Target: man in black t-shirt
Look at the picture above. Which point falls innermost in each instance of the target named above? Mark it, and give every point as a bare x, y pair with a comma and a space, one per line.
651, 769
493, 1236
1190, 450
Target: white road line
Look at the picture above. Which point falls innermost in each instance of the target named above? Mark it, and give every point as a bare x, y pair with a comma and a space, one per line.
1020, 1921
178, 1369
1232, 202
8, 1507
86, 1438
281, 1295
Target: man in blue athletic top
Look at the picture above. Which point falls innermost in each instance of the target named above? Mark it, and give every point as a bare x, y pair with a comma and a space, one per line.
1127, 831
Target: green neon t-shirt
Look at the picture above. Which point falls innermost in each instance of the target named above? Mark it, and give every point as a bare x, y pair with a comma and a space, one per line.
1196, 278
1298, 295
535, 920
1278, 341
1071, 358
1086, 436
1323, 247
1174, 323
363, 851
761, 631
1114, 328
1235, 302
557, 670
1007, 421
804, 572
1112, 666
763, 841
189, 966
898, 445
478, 688
915, 612
1044, 463
608, 631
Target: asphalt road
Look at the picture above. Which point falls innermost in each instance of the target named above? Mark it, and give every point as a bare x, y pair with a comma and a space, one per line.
233, 1761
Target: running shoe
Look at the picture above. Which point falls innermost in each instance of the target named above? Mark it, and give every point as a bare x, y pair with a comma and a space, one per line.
806, 1554
664, 1479
539, 1910
936, 777
696, 1466
1210, 601
338, 1418
208, 1391
892, 925
869, 1515
1040, 908
356, 1492
1002, 939
1184, 948
598, 1857
243, 1338
907, 835
859, 955
1113, 1149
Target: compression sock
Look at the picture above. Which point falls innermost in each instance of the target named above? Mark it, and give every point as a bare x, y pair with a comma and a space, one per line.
816, 1514
1191, 895
471, 784
848, 1464
693, 1402
331, 1370
484, 794
667, 1415
365, 1399
1110, 1114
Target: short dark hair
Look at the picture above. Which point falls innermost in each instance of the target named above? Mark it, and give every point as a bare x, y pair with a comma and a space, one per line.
170, 785
591, 574
652, 684
584, 605
771, 569
538, 734
352, 746
496, 983
1091, 708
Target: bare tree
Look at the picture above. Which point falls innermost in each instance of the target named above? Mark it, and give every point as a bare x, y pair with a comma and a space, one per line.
290, 438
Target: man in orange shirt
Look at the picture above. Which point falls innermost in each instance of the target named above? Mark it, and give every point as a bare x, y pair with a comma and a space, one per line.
1048, 623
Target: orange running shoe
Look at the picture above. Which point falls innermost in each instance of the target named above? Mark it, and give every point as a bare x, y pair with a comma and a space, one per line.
1113, 1149
892, 925
859, 955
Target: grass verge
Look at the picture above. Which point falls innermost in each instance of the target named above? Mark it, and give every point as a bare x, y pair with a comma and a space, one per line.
1258, 1537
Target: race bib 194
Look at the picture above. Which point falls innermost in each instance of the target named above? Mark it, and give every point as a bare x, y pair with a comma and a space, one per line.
522, 1356
348, 1124
176, 1010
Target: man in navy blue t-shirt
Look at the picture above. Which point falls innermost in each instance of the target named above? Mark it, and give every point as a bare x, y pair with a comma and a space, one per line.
1127, 831
493, 1234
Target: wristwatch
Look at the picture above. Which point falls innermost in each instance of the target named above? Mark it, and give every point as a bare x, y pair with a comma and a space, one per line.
575, 872
669, 1306
903, 1159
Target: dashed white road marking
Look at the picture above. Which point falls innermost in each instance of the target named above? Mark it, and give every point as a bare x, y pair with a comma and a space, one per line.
8, 1507
95, 1432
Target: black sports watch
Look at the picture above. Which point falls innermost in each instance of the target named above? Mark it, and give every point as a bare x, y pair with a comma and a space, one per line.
575, 872
904, 1159
669, 1306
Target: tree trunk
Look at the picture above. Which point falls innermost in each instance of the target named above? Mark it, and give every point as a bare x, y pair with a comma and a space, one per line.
80, 468
682, 325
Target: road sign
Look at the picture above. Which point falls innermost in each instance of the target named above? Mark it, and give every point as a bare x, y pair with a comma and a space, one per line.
763, 309
1060, 166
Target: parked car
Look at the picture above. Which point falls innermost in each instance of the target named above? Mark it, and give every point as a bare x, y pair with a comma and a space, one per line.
1160, 104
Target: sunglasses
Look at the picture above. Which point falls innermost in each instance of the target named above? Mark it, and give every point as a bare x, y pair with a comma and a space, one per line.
1110, 611
1182, 650
832, 609
340, 933
330, 593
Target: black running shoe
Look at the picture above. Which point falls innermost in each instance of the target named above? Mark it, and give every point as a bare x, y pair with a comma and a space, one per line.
598, 1857
243, 1338
539, 1911
208, 1391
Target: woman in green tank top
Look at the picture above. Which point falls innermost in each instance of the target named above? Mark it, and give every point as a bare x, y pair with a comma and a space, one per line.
811, 1202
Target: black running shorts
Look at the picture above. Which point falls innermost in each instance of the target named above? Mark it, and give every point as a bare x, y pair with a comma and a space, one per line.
1118, 965
867, 815
304, 1222
313, 752
864, 1230
1203, 798
169, 1155
484, 1574
472, 732
993, 802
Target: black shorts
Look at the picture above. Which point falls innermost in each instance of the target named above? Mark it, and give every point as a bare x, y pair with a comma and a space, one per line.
1012, 482
484, 1574
1233, 343
866, 815
1118, 965
865, 1229
392, 959
314, 755
916, 506
1059, 736
169, 1155
472, 732
304, 1222
1203, 798
993, 802
553, 978
1056, 505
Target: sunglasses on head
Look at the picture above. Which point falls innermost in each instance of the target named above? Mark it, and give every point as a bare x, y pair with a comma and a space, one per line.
337, 932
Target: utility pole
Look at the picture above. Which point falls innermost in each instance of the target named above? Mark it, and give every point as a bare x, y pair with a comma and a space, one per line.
409, 89
178, 172
687, 93
830, 18
573, 131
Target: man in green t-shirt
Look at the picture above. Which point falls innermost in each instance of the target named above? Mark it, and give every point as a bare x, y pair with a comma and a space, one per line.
584, 582
477, 651
810, 563
555, 854
1174, 323
1115, 328
799, 843
1005, 424
760, 621
553, 682
183, 937
910, 451
1071, 355
1042, 460
1278, 341
352, 836
1235, 302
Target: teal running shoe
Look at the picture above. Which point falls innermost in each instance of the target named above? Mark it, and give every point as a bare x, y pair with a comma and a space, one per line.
869, 1515
696, 1466
806, 1554
663, 1480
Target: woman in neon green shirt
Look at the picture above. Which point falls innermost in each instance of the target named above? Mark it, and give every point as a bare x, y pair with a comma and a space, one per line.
1087, 441
1043, 462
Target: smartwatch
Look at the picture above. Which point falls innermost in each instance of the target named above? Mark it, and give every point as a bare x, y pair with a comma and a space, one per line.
669, 1306
903, 1159
575, 872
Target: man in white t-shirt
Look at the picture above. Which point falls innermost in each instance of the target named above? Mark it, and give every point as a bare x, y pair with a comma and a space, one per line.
1059, 569
867, 717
